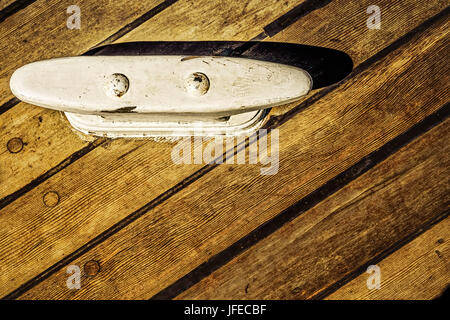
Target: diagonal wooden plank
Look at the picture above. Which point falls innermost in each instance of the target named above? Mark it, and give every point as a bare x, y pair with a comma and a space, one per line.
419, 270
6, 3
206, 217
59, 143
212, 20
34, 125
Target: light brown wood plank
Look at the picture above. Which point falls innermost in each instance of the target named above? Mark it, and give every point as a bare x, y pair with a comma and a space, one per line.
419, 270
211, 20
353, 36
206, 217
34, 125
149, 169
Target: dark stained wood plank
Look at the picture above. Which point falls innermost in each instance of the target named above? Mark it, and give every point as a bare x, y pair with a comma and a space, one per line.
365, 112
419, 270
49, 140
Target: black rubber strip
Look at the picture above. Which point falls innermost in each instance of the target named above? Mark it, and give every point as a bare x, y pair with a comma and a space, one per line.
8, 105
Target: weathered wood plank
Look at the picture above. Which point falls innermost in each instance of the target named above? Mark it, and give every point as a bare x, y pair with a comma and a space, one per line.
34, 125
5, 3
206, 217
354, 37
419, 270
36, 157
88, 97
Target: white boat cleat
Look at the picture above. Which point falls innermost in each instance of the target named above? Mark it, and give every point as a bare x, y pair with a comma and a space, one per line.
166, 95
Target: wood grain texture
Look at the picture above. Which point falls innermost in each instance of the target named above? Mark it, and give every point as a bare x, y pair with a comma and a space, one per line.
211, 20
352, 36
206, 217
152, 172
419, 270
34, 125
157, 93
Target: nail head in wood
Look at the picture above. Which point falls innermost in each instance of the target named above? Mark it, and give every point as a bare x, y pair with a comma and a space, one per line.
15, 145
91, 268
51, 199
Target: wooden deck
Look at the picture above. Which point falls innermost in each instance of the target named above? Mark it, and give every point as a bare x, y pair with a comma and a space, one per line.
363, 179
